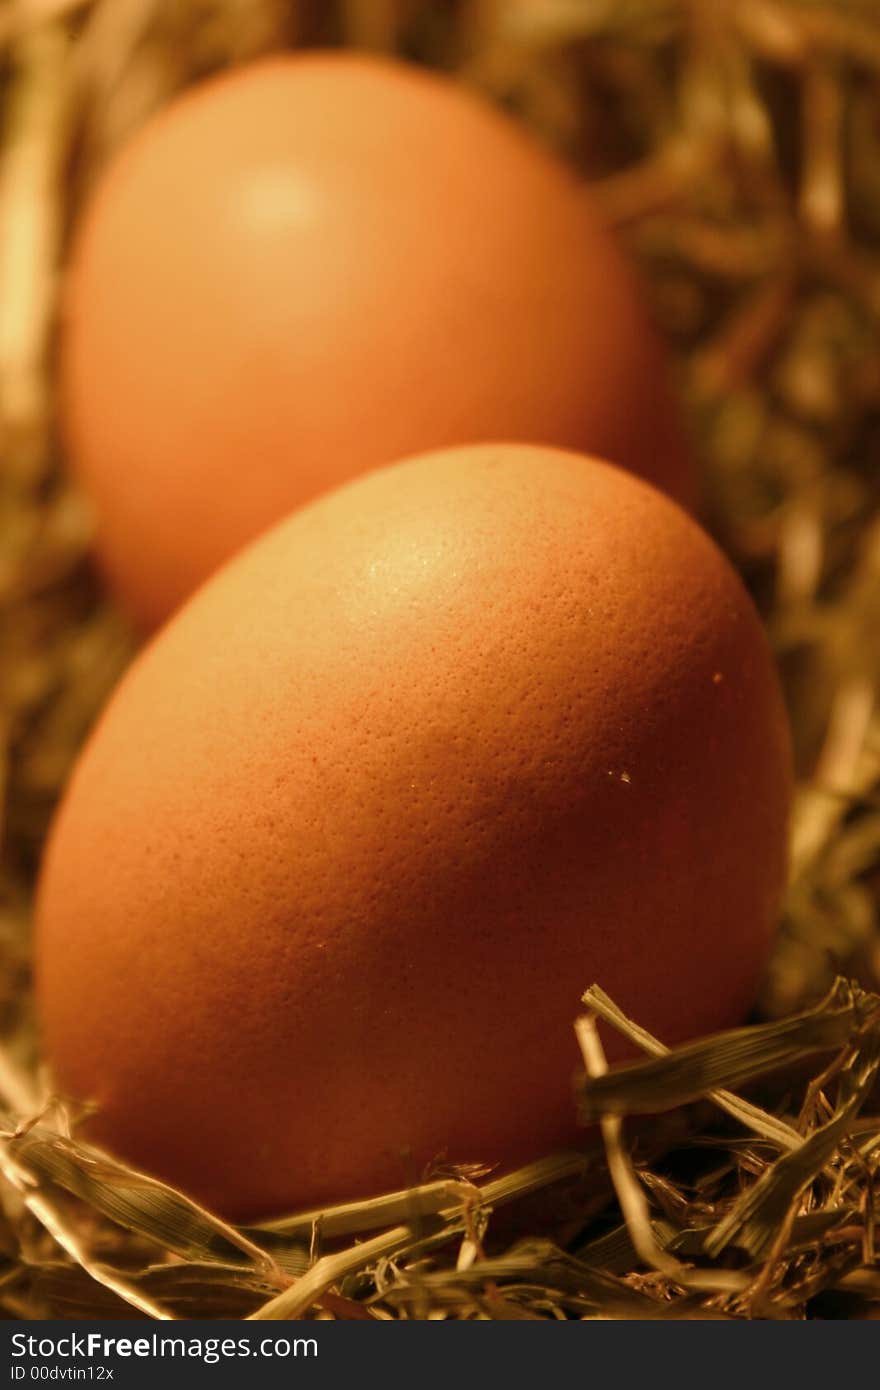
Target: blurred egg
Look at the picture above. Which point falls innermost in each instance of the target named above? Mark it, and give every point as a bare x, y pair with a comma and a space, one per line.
316, 265
369, 814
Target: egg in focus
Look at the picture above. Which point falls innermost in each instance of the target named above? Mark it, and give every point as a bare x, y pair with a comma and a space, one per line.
369, 814
315, 265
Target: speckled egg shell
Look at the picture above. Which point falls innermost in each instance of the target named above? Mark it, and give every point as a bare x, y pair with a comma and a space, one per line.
367, 817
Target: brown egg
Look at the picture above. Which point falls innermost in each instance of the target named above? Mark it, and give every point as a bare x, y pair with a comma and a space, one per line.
369, 815
317, 265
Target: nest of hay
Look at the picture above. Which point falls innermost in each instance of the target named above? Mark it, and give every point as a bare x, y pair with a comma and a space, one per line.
737, 147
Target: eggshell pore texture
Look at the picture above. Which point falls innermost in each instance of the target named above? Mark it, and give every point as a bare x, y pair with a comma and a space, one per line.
363, 822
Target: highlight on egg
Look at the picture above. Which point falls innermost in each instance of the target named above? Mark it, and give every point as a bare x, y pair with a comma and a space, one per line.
317, 264
370, 813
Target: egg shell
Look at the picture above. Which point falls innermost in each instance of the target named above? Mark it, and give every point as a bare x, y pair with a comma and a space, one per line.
317, 265
390, 792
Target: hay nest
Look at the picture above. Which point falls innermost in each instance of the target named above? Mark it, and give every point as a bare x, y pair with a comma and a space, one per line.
737, 147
